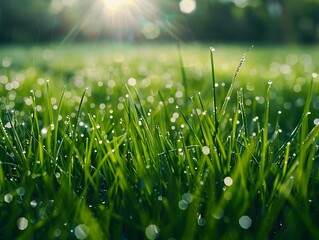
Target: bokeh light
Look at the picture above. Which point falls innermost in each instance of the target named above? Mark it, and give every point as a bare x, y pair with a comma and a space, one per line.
187, 6
151, 30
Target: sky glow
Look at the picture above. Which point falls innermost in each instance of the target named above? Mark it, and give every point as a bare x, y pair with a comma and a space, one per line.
116, 4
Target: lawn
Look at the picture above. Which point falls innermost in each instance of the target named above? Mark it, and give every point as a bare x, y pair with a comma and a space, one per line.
119, 141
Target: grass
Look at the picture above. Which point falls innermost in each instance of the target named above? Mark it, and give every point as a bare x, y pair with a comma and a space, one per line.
180, 152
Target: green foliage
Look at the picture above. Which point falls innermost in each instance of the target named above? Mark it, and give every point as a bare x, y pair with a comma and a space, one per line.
97, 160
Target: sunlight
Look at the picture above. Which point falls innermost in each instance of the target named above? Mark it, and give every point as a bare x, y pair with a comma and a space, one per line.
187, 6
116, 4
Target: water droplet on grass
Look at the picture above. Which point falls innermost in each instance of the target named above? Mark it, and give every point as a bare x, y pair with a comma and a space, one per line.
245, 222
152, 232
57, 232
183, 205
20, 191
33, 203
228, 181
44, 132
201, 221
22, 223
8, 125
187, 197
81, 231
206, 150
8, 198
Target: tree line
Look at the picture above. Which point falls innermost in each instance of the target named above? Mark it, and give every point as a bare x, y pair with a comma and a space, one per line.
34, 21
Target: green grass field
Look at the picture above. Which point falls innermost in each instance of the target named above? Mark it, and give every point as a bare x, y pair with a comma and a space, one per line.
112, 141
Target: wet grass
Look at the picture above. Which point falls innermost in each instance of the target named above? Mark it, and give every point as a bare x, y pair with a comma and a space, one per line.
147, 142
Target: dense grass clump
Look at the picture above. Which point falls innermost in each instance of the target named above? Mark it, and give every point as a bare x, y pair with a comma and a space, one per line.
180, 152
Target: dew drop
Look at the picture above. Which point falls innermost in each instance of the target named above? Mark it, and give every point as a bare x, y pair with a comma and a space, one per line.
245, 222
228, 181
44, 132
57, 232
22, 223
81, 231
206, 150
187, 197
183, 205
152, 232
201, 221
33, 203
8, 198
20, 191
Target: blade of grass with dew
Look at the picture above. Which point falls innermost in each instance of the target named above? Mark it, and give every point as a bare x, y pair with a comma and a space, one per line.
278, 155
86, 164
165, 118
183, 72
56, 127
49, 138
212, 50
15, 143
230, 90
232, 151
189, 125
243, 112
73, 140
199, 122
265, 142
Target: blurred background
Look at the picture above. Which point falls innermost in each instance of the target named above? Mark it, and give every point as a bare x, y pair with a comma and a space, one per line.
280, 21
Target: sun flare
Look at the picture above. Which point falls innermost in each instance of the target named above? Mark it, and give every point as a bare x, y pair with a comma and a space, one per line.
116, 4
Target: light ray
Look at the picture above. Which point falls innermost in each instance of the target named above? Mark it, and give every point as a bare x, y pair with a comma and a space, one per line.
116, 4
